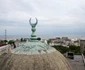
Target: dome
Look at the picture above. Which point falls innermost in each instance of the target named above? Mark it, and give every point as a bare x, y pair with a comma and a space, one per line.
34, 55
33, 48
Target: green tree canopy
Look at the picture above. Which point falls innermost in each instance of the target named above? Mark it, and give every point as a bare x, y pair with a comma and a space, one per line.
39, 38
84, 52
49, 41
72, 48
10, 42
75, 49
60, 48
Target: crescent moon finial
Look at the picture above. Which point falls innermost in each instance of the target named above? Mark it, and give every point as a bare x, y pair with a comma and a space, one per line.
33, 24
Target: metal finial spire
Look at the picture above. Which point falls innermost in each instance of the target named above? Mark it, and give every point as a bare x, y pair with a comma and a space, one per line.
33, 25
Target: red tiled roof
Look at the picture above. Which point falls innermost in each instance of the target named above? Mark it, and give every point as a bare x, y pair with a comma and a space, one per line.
53, 38
1, 44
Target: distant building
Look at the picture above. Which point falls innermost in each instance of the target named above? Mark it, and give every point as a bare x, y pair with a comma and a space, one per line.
64, 41
65, 38
76, 43
82, 45
67, 42
58, 38
56, 41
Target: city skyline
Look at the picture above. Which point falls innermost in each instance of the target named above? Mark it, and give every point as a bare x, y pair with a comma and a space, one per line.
55, 17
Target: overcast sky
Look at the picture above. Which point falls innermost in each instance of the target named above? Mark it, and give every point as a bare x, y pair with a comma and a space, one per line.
55, 17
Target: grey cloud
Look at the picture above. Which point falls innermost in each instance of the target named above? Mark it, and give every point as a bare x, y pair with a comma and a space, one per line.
52, 14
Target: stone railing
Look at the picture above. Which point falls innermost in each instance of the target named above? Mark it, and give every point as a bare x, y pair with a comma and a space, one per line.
5, 49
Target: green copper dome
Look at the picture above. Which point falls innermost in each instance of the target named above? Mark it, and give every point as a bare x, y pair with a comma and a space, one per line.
30, 48
33, 46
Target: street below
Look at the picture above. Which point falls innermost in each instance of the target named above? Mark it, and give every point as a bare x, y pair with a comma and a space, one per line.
77, 63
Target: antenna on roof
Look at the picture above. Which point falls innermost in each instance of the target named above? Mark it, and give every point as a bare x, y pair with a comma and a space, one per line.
5, 35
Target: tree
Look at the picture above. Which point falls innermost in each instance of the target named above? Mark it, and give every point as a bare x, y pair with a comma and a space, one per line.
61, 48
39, 38
1, 41
72, 48
5, 41
14, 45
21, 39
11, 42
49, 41
84, 52
75, 49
